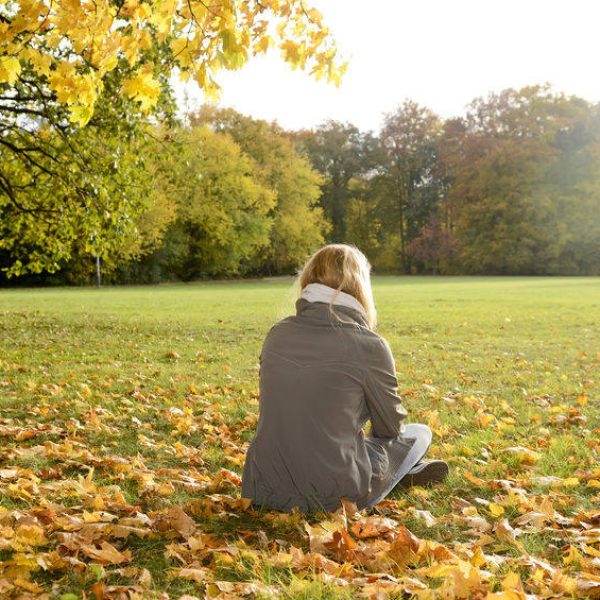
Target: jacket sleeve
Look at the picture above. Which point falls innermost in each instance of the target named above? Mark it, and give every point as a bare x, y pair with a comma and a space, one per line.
381, 392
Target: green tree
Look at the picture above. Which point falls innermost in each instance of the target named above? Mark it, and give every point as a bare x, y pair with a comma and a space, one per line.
362, 222
222, 219
67, 191
575, 179
299, 226
341, 153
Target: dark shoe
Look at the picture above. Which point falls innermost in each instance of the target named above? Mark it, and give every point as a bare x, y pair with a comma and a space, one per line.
425, 473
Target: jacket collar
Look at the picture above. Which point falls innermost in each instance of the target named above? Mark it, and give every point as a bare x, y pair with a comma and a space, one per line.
318, 292
320, 310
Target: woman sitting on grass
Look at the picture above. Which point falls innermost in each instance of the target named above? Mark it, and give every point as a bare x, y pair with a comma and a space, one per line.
324, 373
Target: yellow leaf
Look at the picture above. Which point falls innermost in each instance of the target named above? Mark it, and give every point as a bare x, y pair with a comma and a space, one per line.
496, 509
505, 532
483, 419
166, 489
547, 508
572, 556
263, 44
39, 61
29, 586
570, 482
473, 479
29, 535
526, 456
512, 589
478, 559
143, 87
463, 579
181, 52
80, 115
591, 551
562, 583
10, 68
109, 62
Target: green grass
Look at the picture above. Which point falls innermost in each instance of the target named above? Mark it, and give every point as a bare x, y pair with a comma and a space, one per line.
490, 363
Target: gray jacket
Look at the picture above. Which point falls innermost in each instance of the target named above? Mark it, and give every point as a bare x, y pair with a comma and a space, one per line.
320, 382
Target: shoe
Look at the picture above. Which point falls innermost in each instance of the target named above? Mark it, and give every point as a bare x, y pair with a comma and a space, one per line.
425, 473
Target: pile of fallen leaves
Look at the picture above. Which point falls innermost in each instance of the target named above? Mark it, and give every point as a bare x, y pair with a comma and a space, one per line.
78, 520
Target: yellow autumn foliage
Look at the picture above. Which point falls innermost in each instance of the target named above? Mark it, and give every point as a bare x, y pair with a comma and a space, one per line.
75, 44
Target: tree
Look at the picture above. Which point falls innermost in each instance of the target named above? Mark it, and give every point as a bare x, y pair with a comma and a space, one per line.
450, 154
409, 136
299, 225
519, 189
75, 194
73, 46
341, 152
106, 65
434, 246
222, 219
575, 179
361, 221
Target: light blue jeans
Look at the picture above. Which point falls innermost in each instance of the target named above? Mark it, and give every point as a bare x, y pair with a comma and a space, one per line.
422, 435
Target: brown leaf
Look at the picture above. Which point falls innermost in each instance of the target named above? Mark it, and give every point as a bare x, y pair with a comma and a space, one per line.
107, 554
404, 547
197, 574
341, 543
174, 519
99, 590
526, 456
367, 527
505, 532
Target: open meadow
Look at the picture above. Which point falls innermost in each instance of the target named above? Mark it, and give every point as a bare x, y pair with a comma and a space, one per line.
125, 414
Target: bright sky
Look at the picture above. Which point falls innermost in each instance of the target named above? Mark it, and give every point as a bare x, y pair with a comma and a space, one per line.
440, 53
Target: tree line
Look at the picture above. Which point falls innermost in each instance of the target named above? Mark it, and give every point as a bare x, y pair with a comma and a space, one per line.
96, 167
511, 187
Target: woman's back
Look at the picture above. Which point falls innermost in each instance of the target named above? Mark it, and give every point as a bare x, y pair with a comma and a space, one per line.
317, 377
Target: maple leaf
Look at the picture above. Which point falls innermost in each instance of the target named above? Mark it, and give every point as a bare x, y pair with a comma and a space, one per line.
405, 547
525, 455
143, 87
367, 527
176, 520
106, 553
10, 68
28, 535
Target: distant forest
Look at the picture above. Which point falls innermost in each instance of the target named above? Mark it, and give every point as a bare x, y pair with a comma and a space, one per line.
511, 188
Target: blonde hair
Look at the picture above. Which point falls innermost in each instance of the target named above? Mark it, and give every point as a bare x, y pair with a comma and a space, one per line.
345, 268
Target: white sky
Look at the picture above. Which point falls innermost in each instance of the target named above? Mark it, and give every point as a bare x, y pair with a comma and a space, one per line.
440, 53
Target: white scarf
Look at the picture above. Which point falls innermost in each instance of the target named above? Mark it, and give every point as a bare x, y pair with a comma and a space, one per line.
317, 292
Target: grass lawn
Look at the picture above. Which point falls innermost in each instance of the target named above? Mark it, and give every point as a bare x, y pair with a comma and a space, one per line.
125, 414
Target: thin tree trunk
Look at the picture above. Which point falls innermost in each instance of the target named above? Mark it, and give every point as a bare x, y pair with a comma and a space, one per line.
98, 281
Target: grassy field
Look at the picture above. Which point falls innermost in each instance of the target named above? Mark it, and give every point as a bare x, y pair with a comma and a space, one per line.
125, 414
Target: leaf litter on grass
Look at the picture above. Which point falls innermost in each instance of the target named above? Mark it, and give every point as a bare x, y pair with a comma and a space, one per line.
73, 523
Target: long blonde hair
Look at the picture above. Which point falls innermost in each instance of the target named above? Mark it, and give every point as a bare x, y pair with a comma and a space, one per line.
345, 268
